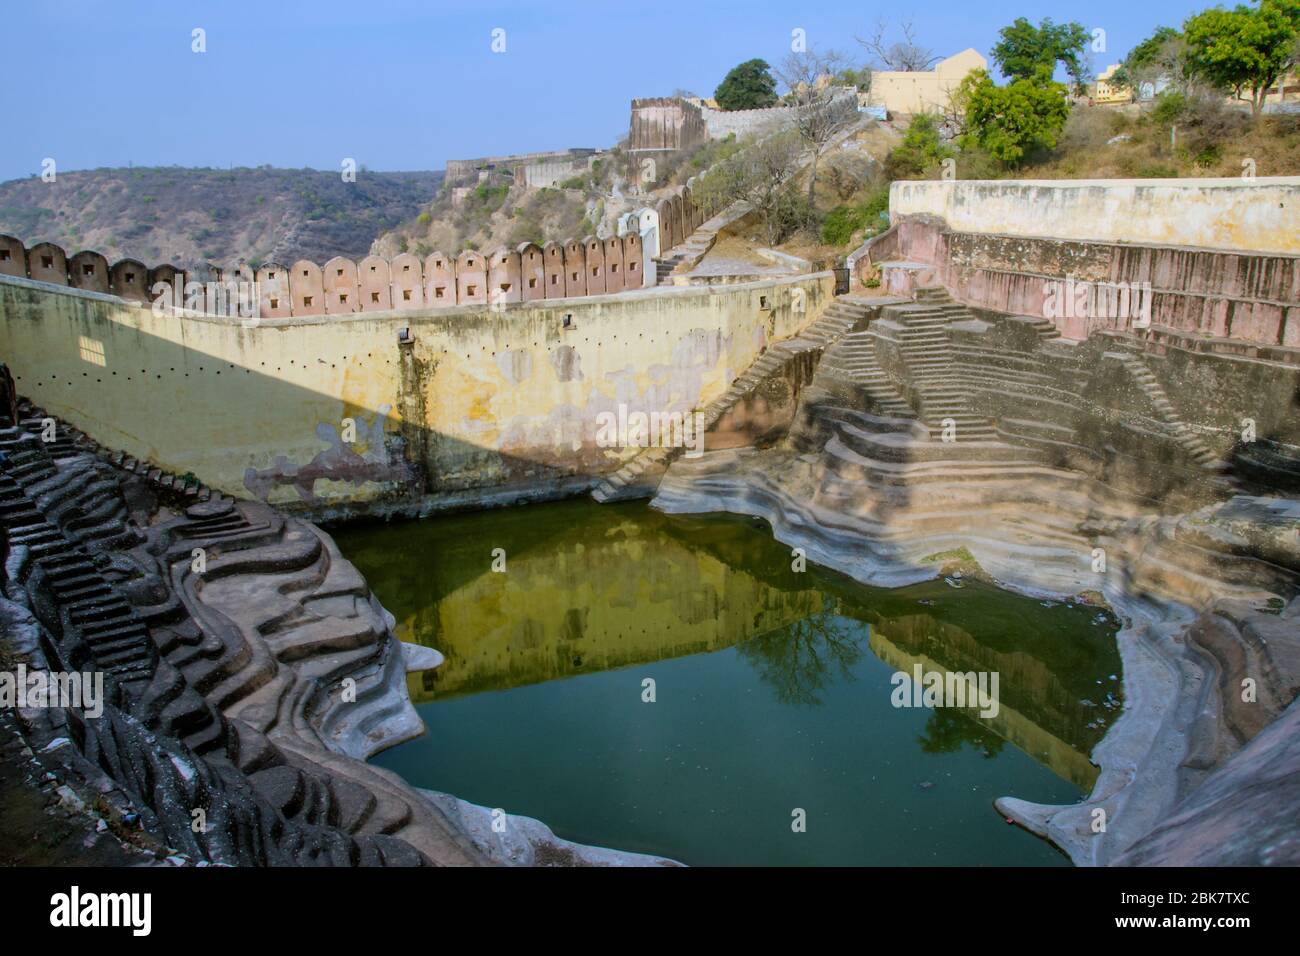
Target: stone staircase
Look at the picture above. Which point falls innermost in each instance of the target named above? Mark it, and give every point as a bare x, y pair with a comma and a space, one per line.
698, 243
69, 441
852, 360
839, 318
1196, 449
920, 331
114, 635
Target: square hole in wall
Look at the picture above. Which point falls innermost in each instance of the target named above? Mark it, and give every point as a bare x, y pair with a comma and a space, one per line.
275, 303
87, 269
470, 290
439, 291
47, 262
532, 283
343, 297
613, 267
406, 295
575, 277
374, 297
130, 277
270, 275
4, 255
306, 300
340, 271
595, 270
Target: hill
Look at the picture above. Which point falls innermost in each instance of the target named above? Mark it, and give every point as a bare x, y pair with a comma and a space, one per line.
193, 216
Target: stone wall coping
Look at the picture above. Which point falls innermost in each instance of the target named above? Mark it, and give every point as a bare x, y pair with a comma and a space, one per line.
414, 316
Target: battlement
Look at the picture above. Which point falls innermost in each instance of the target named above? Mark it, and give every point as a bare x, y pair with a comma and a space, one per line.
342, 286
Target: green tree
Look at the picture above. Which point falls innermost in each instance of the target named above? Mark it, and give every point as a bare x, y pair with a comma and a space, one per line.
1159, 59
920, 150
1244, 49
749, 86
1011, 121
1026, 50
763, 175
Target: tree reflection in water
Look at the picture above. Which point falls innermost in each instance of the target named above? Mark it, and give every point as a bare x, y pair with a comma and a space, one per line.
948, 728
801, 659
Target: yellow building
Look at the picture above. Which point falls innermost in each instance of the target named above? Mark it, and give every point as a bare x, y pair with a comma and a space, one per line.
924, 91
1106, 93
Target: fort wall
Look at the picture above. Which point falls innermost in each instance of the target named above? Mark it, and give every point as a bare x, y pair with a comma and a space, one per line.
389, 410
343, 286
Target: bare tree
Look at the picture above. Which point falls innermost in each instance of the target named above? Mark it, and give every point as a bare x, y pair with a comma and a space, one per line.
761, 174
904, 56
821, 107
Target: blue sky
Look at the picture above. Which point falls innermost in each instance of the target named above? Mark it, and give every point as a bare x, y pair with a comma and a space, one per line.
400, 84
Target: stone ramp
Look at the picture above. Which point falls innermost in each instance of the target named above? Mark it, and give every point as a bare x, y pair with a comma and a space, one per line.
639, 477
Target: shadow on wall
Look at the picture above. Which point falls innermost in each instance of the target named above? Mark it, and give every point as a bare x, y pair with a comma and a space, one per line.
373, 414
203, 405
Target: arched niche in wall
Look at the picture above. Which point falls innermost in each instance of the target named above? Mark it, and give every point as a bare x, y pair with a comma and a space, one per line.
471, 278
532, 271
308, 287
408, 281
503, 277
614, 264
340, 278
273, 291
633, 266
575, 267
439, 280
47, 262
553, 252
375, 284
595, 251
13, 257
128, 279
88, 270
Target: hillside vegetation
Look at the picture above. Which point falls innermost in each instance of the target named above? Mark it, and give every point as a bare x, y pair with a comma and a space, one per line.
497, 212
194, 216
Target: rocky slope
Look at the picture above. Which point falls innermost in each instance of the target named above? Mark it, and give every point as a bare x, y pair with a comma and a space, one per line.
192, 216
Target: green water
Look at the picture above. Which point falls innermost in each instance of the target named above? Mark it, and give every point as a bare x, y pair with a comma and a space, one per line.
772, 690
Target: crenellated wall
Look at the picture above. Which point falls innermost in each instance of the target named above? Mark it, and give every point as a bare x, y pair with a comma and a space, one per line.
343, 286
